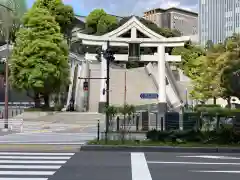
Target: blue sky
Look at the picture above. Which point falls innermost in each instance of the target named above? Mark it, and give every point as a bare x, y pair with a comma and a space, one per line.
76, 4
126, 7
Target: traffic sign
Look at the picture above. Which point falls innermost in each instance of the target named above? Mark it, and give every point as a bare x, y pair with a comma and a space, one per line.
149, 95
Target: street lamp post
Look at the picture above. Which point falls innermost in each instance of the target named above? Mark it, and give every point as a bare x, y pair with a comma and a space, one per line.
6, 71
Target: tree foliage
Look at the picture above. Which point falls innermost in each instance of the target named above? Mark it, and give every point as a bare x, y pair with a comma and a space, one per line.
99, 22
39, 61
189, 53
9, 26
63, 14
230, 63
212, 72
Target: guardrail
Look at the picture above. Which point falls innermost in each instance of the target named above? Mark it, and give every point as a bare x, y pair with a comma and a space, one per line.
13, 124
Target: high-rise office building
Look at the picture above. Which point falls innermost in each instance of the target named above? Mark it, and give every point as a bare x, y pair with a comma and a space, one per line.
218, 19
174, 18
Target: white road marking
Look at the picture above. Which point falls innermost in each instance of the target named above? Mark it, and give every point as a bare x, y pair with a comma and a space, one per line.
36, 154
41, 143
234, 172
139, 166
211, 157
28, 167
31, 162
27, 173
23, 178
34, 157
193, 163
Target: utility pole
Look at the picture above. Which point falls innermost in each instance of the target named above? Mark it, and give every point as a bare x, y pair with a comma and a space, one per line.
9, 10
125, 87
109, 56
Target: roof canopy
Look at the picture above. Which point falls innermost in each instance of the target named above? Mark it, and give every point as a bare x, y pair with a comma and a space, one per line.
133, 25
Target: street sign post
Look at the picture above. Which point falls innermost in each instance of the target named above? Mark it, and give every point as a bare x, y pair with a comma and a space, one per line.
149, 95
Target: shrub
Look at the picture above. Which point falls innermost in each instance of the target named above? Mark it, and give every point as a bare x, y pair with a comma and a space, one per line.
188, 135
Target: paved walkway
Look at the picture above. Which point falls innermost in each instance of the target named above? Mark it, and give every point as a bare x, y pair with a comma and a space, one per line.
48, 138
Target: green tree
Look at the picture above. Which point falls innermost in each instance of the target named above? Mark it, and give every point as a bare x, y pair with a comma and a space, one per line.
203, 68
230, 63
39, 61
209, 44
99, 22
189, 54
106, 23
63, 14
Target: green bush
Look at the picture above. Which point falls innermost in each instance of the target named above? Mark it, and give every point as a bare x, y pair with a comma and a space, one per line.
213, 110
164, 136
223, 136
45, 109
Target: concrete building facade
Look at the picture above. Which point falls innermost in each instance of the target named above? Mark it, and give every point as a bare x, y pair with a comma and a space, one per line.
174, 18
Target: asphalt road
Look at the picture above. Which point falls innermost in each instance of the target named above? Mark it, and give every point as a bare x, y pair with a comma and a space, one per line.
149, 166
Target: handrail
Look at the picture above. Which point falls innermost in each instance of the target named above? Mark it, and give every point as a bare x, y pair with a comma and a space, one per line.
156, 83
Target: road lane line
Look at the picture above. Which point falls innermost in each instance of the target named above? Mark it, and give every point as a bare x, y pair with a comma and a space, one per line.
212, 157
139, 166
233, 172
35, 157
194, 163
27, 173
31, 162
28, 167
23, 178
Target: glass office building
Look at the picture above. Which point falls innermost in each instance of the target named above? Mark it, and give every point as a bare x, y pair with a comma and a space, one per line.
218, 19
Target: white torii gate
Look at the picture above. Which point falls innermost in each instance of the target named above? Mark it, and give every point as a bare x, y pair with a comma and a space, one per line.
153, 40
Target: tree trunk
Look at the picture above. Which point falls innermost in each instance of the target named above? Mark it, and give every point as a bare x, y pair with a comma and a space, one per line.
37, 100
214, 100
46, 100
229, 102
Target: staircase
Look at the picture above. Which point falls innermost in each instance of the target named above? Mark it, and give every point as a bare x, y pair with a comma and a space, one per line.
137, 82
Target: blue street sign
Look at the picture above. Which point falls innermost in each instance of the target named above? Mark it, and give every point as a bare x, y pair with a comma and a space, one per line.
149, 95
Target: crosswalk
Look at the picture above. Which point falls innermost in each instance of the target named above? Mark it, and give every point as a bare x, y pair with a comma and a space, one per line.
31, 166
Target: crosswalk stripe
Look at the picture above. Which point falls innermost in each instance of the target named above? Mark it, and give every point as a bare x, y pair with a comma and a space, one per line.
31, 165
36, 154
28, 167
27, 173
23, 178
31, 162
34, 157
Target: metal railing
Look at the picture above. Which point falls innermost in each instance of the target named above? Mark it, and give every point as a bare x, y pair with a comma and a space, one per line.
13, 124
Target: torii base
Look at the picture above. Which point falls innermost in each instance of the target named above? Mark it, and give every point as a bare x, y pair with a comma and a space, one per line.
162, 109
101, 107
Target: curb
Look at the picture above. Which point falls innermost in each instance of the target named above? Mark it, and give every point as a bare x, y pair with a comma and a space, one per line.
160, 149
38, 147
41, 143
